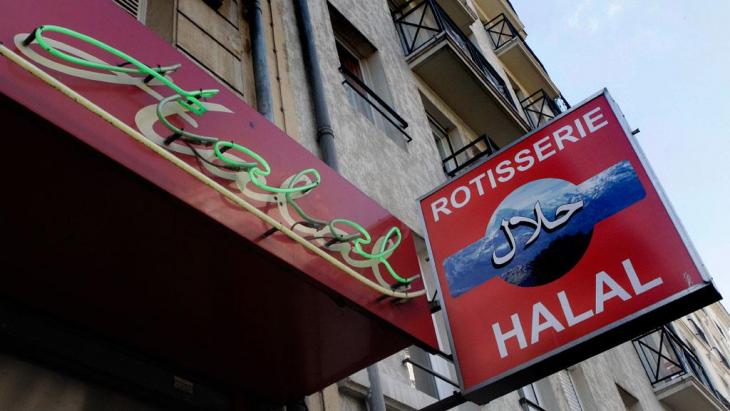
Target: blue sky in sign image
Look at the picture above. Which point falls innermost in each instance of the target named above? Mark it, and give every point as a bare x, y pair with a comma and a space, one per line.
667, 65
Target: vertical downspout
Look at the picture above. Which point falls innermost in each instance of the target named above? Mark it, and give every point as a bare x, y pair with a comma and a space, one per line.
325, 135
376, 400
260, 63
326, 141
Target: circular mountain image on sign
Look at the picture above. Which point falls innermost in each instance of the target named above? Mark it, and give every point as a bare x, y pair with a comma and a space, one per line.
538, 233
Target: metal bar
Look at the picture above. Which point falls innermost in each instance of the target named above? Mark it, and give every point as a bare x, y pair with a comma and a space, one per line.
409, 11
532, 96
400, 127
541, 98
530, 404
680, 350
659, 355
349, 76
454, 154
430, 371
447, 357
400, 21
502, 21
408, 23
465, 148
447, 403
515, 33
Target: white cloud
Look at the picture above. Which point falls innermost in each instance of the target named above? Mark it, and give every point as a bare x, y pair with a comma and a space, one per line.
614, 8
589, 16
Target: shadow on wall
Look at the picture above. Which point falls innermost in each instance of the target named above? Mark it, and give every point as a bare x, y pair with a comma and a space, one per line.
27, 387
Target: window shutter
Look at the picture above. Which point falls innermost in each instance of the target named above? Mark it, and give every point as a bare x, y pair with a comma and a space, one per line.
571, 395
133, 7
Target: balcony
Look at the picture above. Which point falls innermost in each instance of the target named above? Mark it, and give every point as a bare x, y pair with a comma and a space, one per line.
448, 63
675, 372
461, 14
458, 160
540, 108
497, 7
518, 57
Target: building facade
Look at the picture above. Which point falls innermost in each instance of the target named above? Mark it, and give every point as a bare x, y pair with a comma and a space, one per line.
416, 92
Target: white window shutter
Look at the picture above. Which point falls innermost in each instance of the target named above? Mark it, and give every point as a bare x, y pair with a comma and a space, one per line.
135, 8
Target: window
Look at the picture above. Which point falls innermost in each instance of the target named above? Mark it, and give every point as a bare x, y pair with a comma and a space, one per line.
351, 67
364, 79
443, 143
456, 152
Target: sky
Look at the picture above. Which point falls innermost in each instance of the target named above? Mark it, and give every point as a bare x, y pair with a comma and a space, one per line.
667, 65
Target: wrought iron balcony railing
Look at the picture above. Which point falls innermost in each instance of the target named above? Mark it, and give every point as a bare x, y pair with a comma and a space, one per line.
467, 155
540, 108
368, 97
425, 23
501, 31
665, 357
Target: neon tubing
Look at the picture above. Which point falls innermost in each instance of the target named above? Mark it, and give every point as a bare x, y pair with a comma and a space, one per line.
191, 101
136, 135
254, 172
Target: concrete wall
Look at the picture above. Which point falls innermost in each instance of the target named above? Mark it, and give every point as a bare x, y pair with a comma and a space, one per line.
386, 171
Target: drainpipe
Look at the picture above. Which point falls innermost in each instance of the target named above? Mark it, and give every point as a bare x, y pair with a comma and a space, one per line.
376, 400
260, 63
326, 141
325, 135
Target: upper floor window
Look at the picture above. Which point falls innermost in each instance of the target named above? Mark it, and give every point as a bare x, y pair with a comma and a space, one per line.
351, 67
444, 144
364, 79
457, 151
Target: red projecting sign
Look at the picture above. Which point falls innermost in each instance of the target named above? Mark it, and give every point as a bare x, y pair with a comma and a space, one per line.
556, 248
164, 214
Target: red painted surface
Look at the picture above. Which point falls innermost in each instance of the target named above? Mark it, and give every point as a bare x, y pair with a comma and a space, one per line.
269, 277
643, 232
